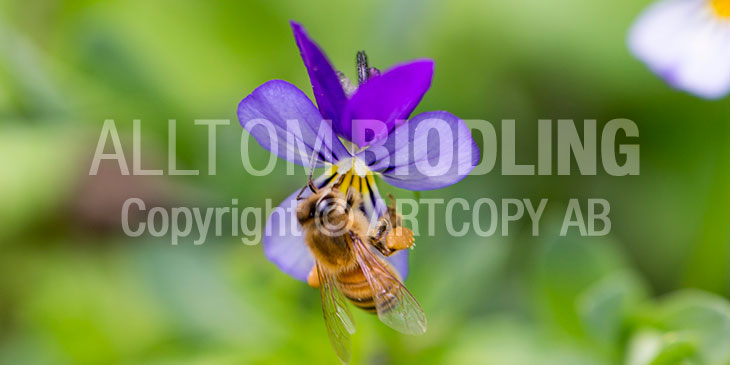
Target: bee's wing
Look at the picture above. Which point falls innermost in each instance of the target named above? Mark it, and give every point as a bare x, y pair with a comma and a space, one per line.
396, 306
337, 317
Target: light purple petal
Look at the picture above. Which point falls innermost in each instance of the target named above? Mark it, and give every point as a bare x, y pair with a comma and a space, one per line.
283, 239
328, 92
431, 151
387, 98
399, 260
284, 245
685, 43
284, 121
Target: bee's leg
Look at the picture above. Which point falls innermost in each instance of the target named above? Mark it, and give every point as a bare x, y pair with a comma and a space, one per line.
377, 236
393, 212
388, 240
313, 277
382, 229
389, 235
399, 238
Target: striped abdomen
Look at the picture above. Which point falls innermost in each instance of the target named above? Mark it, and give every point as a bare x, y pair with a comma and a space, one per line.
356, 288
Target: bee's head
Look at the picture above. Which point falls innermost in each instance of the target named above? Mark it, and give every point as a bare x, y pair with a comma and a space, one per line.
328, 204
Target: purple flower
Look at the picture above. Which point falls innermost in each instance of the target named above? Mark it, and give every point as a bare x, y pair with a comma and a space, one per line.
687, 43
430, 151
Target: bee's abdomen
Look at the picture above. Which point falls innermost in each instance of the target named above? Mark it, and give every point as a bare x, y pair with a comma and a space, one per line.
357, 289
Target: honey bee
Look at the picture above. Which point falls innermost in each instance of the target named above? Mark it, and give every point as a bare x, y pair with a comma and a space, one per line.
348, 268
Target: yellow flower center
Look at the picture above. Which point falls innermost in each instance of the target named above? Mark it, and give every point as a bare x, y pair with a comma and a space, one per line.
721, 7
353, 172
356, 174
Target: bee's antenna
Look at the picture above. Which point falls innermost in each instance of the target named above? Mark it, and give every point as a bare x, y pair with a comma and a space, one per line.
299, 196
310, 182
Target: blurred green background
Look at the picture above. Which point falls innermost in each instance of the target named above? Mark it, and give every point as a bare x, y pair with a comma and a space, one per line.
73, 289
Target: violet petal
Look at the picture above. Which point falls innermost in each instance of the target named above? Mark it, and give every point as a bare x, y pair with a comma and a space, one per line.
431, 151
387, 98
271, 111
328, 92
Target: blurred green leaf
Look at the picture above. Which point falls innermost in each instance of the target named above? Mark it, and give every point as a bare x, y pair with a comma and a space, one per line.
508, 340
564, 269
606, 305
686, 324
39, 170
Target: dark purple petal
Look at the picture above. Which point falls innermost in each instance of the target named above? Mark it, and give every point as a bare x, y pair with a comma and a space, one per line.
328, 92
284, 245
387, 98
284, 121
431, 151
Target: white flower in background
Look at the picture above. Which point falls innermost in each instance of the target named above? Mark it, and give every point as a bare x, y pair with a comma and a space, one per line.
687, 43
